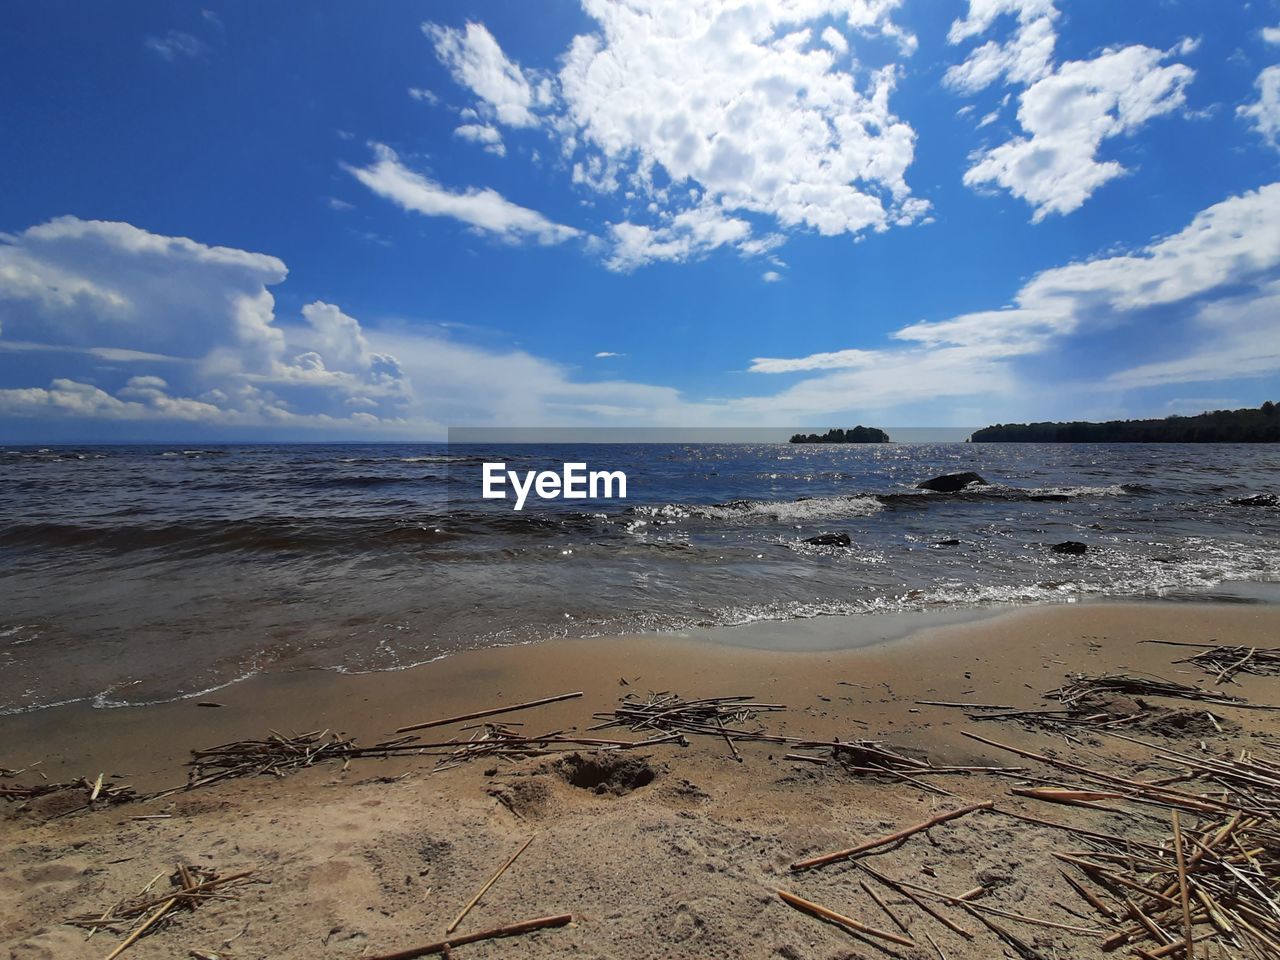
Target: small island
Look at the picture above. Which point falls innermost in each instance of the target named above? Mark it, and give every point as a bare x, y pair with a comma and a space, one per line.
1248, 425
858, 434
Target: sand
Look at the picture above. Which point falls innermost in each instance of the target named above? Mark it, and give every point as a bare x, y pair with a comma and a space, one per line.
381, 856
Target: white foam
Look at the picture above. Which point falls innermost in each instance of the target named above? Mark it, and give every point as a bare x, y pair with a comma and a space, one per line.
774, 510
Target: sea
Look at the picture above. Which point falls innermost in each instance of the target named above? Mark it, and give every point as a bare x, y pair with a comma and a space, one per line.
134, 574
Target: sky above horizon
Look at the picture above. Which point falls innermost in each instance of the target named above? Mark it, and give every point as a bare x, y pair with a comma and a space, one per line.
343, 221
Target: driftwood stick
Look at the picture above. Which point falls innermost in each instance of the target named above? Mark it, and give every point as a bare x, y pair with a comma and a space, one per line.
924, 907
971, 706
483, 890
1146, 791
1093, 834
511, 930
1182, 885
808, 906
1023, 949
489, 713
884, 906
963, 901
1090, 898
143, 927
824, 859
1169, 948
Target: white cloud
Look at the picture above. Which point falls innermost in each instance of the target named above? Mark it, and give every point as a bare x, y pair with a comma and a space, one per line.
719, 111
734, 102
107, 298
149, 328
478, 63
605, 354
1066, 111
1271, 35
836, 360
1237, 340
486, 136
1232, 245
771, 276
1024, 58
423, 95
486, 210
688, 235
836, 40
1264, 114
66, 277
1217, 282
175, 45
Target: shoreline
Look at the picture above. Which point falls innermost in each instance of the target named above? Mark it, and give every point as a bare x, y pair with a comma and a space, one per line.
681, 860
802, 634
371, 704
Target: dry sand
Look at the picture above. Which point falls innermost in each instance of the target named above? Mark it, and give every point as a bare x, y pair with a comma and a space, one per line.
357, 863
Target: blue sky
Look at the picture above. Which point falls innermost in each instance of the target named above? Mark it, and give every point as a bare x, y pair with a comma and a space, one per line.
335, 220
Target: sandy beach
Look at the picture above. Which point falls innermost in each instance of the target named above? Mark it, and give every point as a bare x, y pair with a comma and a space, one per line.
668, 851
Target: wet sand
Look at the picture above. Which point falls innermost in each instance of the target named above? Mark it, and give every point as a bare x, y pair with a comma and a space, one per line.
382, 855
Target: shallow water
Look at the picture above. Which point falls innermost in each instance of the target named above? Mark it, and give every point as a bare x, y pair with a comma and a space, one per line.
129, 574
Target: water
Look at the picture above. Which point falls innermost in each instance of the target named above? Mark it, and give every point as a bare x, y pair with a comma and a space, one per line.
131, 574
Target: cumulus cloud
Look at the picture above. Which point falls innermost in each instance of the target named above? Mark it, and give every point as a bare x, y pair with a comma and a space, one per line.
1023, 58
485, 210
1066, 111
702, 115
478, 63
687, 235
94, 299
147, 328
97, 291
486, 136
1264, 114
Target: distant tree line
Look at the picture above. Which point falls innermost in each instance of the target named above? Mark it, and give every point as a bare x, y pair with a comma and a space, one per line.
858, 434
1248, 425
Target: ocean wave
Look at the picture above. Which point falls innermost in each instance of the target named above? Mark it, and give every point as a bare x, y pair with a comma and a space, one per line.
810, 508
245, 535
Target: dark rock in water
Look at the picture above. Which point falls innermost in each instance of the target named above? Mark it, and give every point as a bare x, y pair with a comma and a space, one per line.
830, 540
1050, 497
1259, 500
950, 482
1069, 546
947, 543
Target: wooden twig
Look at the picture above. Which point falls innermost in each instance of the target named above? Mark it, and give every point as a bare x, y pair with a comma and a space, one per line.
1182, 884
510, 930
824, 859
808, 906
884, 906
924, 907
143, 927
971, 706
489, 713
489, 883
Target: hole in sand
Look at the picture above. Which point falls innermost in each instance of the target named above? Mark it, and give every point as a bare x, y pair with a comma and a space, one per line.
606, 773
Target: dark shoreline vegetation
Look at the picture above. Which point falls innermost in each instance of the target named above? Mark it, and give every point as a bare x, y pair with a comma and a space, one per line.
858, 434
1247, 425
